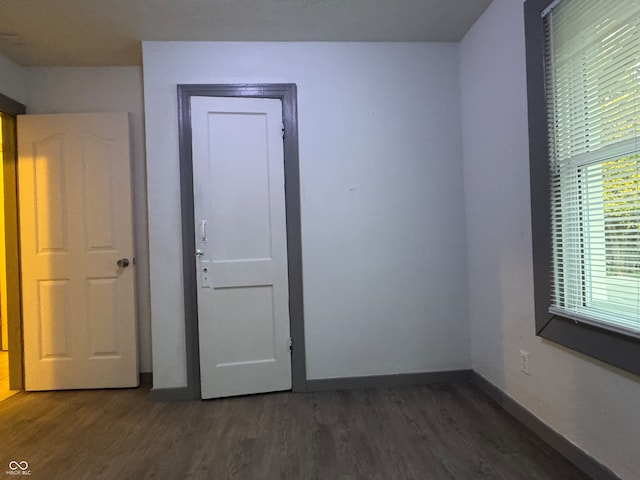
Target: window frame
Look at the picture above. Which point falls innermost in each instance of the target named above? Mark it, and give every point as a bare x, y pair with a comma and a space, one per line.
614, 348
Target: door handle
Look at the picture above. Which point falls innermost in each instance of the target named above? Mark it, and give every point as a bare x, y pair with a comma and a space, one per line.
123, 263
203, 230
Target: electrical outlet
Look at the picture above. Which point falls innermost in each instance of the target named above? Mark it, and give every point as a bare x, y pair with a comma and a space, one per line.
524, 362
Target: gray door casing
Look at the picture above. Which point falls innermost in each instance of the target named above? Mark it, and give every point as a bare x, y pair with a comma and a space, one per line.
287, 93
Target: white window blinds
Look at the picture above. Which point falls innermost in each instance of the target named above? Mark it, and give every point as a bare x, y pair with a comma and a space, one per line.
593, 103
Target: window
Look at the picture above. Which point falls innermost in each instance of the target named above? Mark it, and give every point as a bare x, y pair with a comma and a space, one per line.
592, 77
583, 68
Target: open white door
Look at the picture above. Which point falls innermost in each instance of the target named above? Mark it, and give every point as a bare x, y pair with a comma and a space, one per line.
76, 242
239, 207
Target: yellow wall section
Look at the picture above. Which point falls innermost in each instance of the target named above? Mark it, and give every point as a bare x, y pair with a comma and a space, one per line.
3, 263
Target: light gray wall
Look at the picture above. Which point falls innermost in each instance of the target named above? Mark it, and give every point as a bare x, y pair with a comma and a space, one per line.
592, 405
106, 89
13, 80
381, 178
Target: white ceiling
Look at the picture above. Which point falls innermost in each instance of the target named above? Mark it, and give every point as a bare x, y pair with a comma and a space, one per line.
108, 32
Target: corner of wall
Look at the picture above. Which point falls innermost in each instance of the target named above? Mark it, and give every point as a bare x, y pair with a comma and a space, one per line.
570, 393
13, 80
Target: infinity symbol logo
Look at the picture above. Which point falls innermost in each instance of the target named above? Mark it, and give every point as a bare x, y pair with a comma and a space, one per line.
13, 465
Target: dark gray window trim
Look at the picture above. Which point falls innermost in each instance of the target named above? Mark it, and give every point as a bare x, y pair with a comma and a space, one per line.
287, 93
613, 348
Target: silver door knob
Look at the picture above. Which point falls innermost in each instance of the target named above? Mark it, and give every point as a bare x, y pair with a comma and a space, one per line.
123, 263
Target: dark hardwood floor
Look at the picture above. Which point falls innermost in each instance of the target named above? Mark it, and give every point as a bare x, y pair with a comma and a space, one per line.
429, 432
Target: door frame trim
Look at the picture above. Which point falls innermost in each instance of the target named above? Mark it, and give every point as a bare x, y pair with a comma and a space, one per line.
12, 249
287, 93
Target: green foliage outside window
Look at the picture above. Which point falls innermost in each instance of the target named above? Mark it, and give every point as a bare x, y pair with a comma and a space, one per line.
621, 194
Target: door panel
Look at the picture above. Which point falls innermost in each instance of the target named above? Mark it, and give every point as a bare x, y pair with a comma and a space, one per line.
242, 227
243, 311
75, 223
53, 316
50, 200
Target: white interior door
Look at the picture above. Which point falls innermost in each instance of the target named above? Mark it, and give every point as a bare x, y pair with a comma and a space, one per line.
241, 256
76, 244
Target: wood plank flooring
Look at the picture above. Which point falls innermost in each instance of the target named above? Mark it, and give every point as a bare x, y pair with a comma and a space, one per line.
428, 432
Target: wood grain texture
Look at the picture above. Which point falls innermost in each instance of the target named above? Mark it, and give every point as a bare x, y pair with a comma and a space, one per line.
434, 432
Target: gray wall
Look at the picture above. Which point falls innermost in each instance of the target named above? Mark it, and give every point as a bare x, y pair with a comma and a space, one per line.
591, 404
381, 182
13, 80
